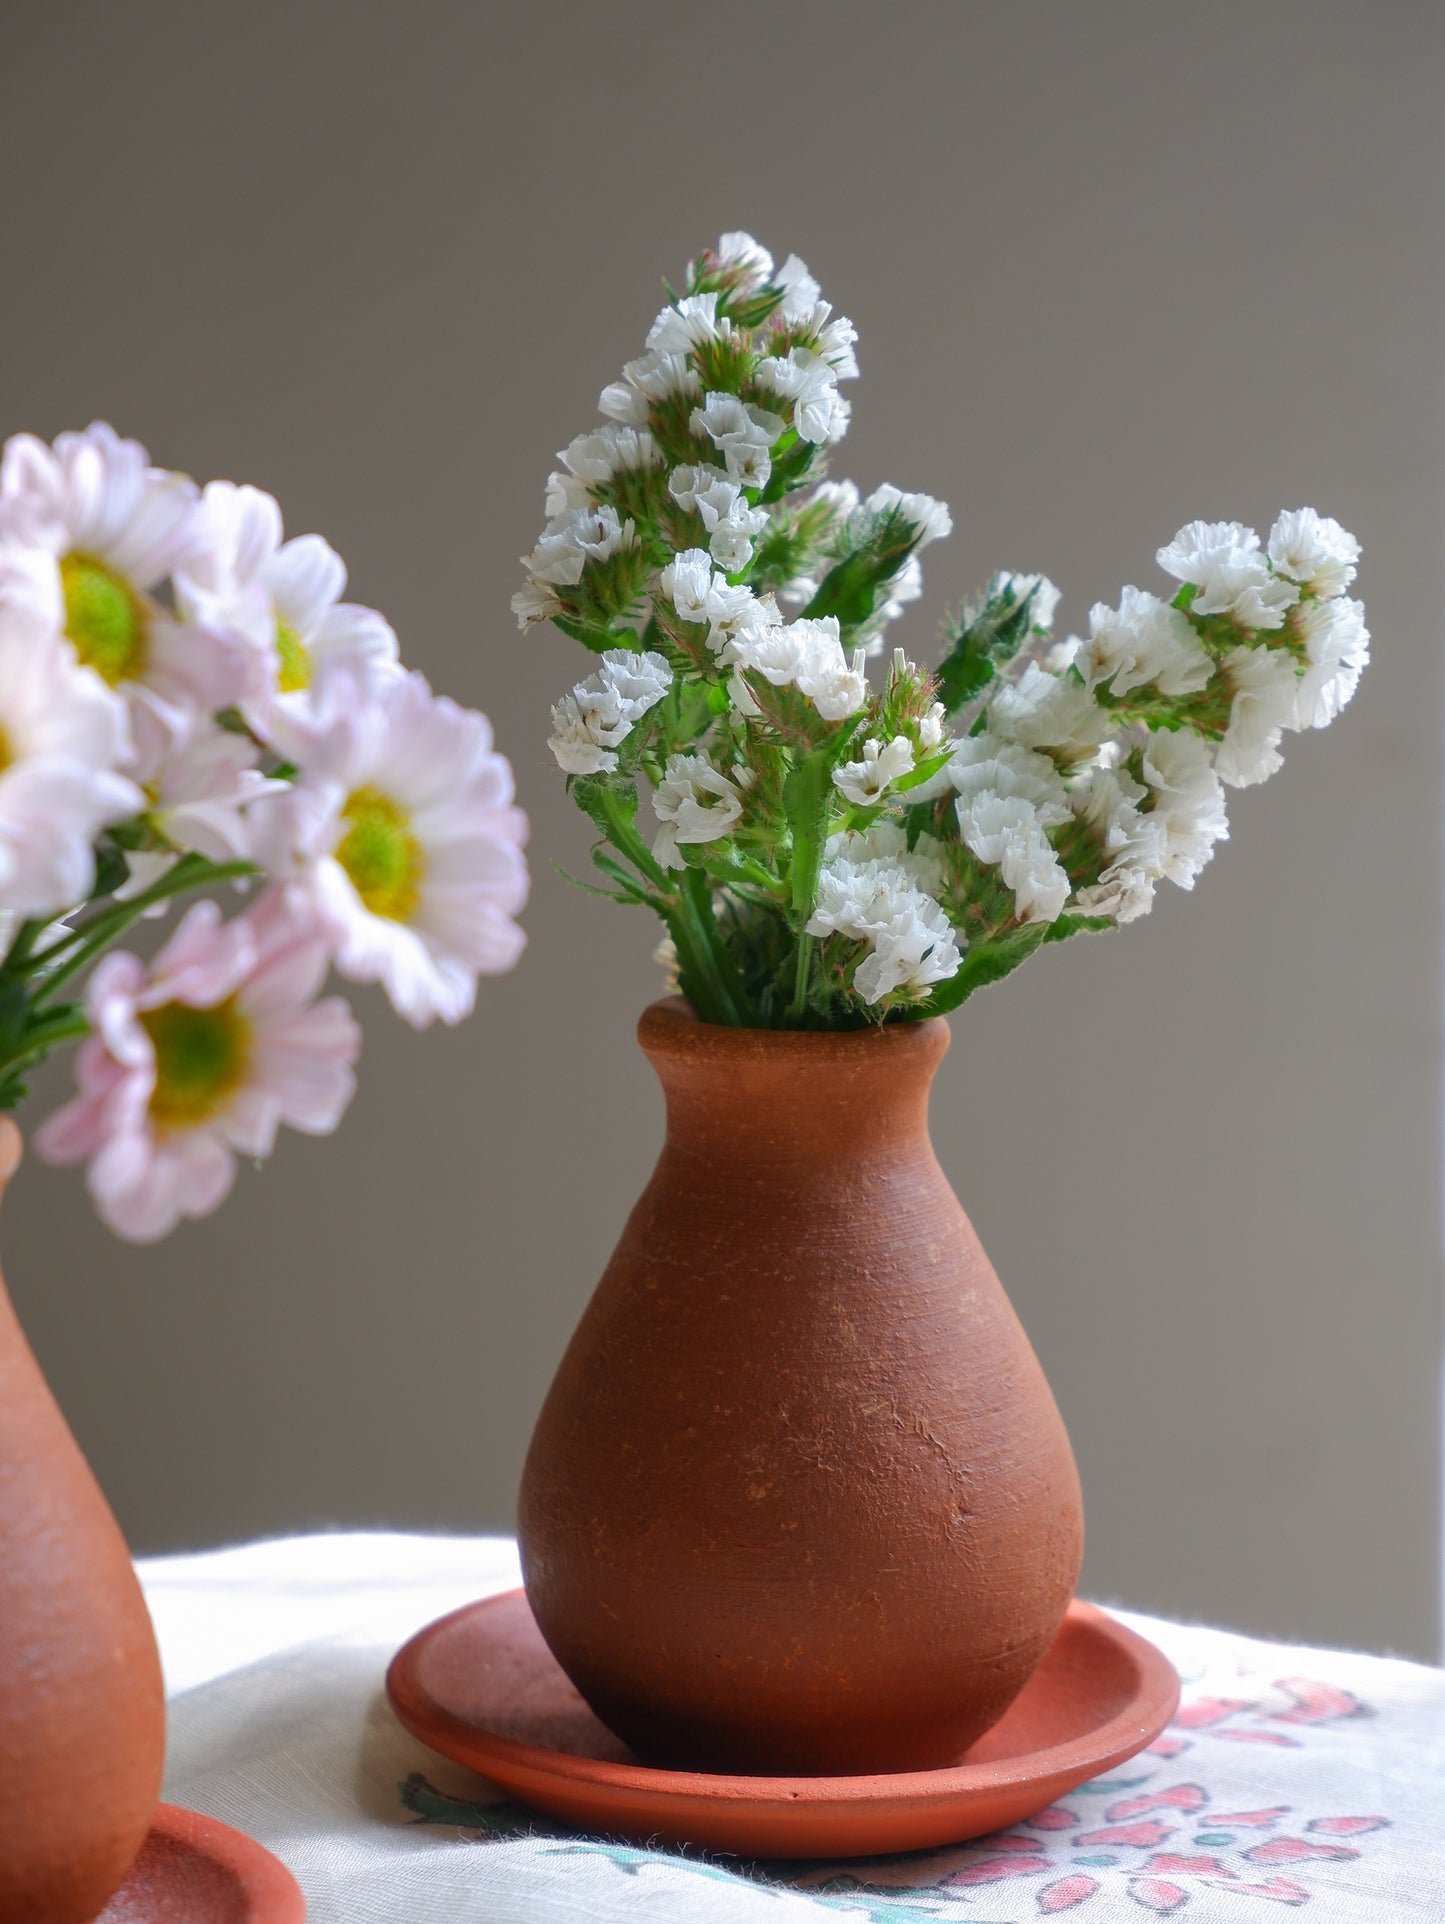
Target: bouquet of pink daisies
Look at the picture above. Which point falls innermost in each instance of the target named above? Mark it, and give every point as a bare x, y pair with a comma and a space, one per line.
188, 704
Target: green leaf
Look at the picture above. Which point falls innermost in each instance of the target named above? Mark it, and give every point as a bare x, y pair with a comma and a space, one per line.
1067, 925
14, 1014
988, 960
599, 640
986, 636
848, 590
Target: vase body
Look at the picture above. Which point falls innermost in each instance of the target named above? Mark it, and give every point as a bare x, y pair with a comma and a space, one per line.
82, 1717
799, 1500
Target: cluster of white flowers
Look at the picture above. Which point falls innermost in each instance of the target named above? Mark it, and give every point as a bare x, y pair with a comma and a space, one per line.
601, 712
849, 847
875, 890
1131, 734
186, 698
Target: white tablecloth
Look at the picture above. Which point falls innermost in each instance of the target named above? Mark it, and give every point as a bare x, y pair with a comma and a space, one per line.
1293, 1779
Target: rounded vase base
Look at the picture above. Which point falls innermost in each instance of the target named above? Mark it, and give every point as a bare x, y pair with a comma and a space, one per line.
481, 1687
195, 1870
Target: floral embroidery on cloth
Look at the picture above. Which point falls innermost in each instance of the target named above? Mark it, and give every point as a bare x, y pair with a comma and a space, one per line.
1163, 1831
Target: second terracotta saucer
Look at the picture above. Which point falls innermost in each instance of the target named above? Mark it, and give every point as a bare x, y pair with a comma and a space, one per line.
481, 1687
195, 1870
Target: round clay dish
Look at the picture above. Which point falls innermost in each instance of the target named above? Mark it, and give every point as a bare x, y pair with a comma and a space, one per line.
194, 1870
481, 1687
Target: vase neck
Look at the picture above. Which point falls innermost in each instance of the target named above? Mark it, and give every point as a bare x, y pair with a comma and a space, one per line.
750, 1094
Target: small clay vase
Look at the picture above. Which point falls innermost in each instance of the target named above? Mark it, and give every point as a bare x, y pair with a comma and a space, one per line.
82, 1710
799, 1500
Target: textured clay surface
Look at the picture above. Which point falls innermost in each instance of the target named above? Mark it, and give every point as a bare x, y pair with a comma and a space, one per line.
799, 1499
82, 1716
193, 1870
481, 1687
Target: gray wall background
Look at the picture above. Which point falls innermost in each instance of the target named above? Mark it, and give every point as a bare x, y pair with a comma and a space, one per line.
1114, 266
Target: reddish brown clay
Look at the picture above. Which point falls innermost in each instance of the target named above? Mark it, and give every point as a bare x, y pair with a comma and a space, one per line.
481, 1687
82, 1717
194, 1870
799, 1499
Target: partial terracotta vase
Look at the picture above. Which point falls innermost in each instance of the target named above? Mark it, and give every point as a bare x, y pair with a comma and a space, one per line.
799, 1500
82, 1713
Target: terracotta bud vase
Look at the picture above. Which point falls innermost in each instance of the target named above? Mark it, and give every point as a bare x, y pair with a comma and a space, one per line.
799, 1500
82, 1710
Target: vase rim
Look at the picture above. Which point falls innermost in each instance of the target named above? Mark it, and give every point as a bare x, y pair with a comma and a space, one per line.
670, 1026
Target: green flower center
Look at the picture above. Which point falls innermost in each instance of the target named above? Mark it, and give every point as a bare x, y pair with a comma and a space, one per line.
295, 661
201, 1058
381, 855
104, 617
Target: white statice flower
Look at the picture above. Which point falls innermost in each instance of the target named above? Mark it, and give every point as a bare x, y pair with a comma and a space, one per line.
197, 1059
694, 802
1142, 642
535, 601
1264, 686
594, 458
651, 377
922, 512
1187, 802
1037, 589
932, 727
401, 837
199, 782
748, 264
1130, 848
801, 293
1005, 832
1222, 560
873, 889
1314, 551
987, 764
64, 736
88, 530
566, 493
588, 534
687, 581
886, 841
589, 723
835, 338
283, 596
808, 655
1055, 713
867, 781
729, 522
701, 594
1336, 643
810, 383
680, 328
742, 434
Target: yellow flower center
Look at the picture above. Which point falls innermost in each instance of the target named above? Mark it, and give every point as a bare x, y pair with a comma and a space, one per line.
295, 661
381, 855
201, 1057
104, 617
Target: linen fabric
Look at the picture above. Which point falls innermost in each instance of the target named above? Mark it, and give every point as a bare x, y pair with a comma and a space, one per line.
1292, 1779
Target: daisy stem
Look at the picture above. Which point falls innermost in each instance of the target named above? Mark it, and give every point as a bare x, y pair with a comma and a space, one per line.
87, 942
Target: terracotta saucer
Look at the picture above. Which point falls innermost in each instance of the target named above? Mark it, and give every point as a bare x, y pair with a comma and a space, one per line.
481, 1687
193, 1870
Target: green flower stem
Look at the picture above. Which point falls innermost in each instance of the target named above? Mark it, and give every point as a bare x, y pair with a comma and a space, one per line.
797, 1008
92, 937
703, 958
706, 967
